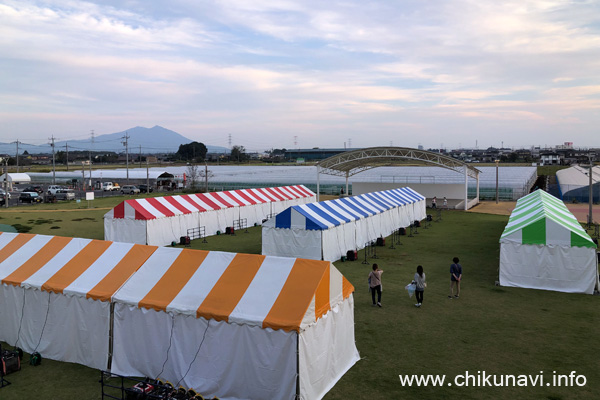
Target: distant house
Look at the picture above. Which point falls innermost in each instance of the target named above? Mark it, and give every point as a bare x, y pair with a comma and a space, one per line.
550, 158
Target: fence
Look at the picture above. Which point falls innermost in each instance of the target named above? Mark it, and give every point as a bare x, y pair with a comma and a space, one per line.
197, 233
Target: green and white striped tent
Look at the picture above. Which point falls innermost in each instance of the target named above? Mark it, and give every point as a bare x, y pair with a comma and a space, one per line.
544, 247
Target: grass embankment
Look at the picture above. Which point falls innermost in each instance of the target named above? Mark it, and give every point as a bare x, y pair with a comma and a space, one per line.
493, 329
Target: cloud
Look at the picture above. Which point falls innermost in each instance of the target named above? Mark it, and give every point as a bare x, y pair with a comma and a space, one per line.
323, 70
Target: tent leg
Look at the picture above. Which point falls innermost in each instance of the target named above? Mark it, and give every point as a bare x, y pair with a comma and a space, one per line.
318, 183
110, 336
466, 189
298, 365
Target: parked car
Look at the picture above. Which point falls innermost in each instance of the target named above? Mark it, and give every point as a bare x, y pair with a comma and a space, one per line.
109, 186
144, 188
2, 200
30, 197
3, 193
65, 194
130, 189
37, 189
53, 189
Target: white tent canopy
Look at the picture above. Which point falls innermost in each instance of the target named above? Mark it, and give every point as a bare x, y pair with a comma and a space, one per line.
14, 178
544, 247
162, 220
228, 325
328, 229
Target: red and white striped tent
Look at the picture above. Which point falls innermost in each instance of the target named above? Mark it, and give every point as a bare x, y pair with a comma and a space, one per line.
161, 220
228, 325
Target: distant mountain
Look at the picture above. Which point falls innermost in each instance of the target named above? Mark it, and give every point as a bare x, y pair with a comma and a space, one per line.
152, 140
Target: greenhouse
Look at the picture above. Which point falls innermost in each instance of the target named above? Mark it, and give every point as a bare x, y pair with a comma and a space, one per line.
574, 184
513, 182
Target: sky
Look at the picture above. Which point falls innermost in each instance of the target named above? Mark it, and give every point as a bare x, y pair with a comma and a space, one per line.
299, 74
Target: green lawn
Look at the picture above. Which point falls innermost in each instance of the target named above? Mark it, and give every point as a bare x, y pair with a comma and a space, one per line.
493, 329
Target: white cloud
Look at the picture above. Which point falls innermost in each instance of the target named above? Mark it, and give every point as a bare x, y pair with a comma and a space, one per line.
321, 69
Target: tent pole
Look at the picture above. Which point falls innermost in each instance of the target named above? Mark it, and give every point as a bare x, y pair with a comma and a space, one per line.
110, 336
298, 365
347, 183
318, 183
477, 187
466, 189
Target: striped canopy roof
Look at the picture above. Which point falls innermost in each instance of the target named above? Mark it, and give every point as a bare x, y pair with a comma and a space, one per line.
540, 218
327, 214
169, 206
83, 267
270, 292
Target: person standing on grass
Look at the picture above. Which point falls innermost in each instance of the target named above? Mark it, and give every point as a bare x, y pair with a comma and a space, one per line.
375, 284
434, 202
455, 277
420, 284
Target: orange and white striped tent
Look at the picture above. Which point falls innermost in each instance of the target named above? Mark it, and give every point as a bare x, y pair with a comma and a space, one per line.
55, 293
229, 325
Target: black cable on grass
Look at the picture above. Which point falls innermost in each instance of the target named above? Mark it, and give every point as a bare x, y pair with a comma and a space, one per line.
170, 342
196, 355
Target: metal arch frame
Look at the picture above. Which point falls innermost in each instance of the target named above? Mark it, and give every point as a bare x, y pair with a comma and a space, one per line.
352, 162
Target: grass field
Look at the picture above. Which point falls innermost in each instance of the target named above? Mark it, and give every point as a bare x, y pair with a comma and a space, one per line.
493, 329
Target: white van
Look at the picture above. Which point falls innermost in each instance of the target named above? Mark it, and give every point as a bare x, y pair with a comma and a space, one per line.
108, 186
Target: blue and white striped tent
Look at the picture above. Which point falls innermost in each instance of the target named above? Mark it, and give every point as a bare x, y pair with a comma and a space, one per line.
328, 229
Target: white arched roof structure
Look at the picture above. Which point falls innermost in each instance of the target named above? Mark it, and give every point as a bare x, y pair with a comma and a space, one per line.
352, 162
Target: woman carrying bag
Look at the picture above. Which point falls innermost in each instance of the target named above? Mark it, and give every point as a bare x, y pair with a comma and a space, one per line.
420, 284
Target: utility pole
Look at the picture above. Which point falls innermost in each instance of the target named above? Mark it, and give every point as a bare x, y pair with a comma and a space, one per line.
590, 190
496, 161
17, 142
53, 162
206, 176
140, 156
126, 144
147, 177
90, 161
67, 148
5, 182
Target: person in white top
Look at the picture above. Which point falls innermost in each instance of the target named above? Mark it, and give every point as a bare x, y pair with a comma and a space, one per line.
421, 284
375, 284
